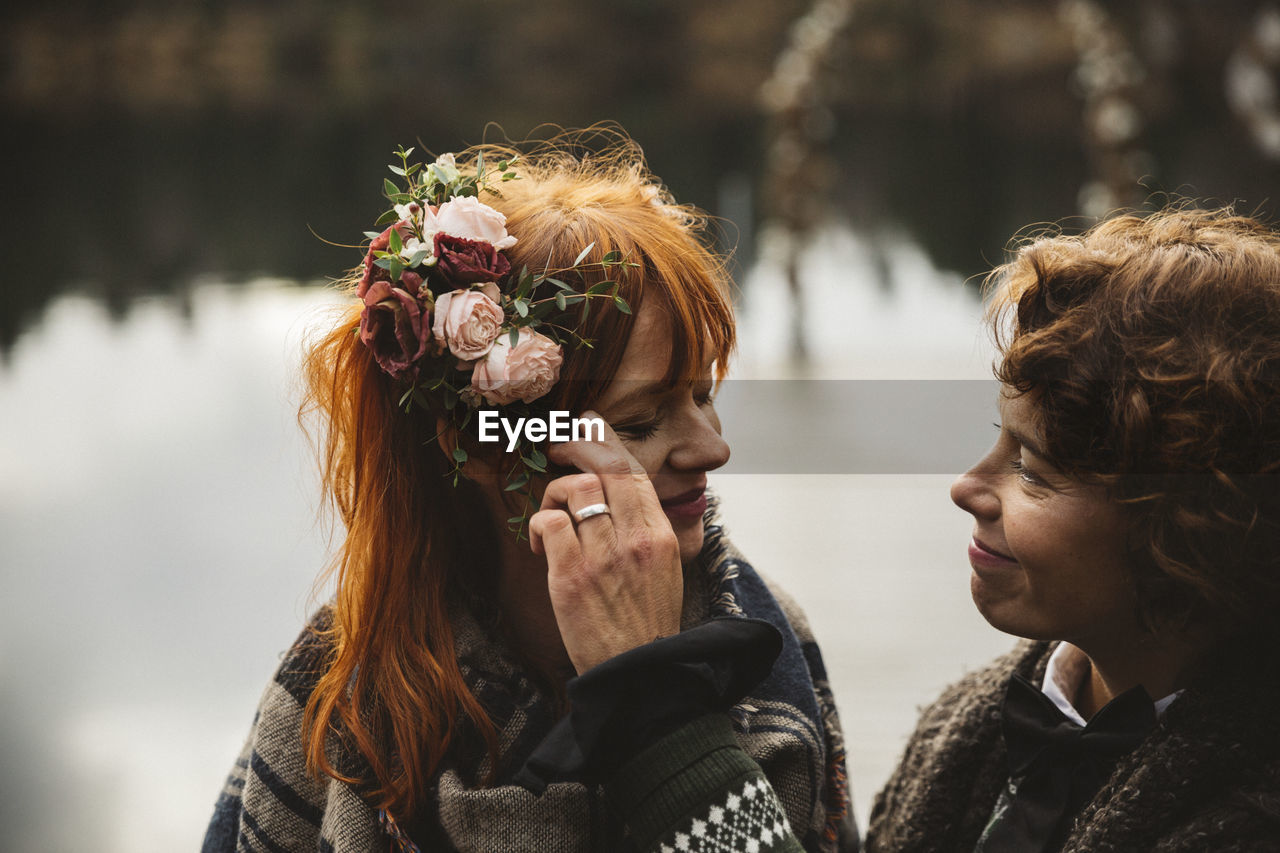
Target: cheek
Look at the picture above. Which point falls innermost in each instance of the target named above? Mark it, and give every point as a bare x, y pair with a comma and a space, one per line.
1074, 568
650, 453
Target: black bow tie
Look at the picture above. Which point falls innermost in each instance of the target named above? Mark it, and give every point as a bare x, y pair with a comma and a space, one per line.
1055, 766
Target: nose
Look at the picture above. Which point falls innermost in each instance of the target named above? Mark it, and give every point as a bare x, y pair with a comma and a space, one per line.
700, 446
974, 492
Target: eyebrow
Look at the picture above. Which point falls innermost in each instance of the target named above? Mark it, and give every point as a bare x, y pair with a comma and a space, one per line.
659, 386
634, 395
1025, 442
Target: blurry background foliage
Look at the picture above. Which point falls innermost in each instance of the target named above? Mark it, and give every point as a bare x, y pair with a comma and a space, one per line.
150, 144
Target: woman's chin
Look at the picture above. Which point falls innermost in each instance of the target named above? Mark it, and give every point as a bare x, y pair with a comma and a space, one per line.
997, 605
690, 542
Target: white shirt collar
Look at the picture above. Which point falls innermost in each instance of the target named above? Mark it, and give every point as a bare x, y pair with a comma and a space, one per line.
1068, 668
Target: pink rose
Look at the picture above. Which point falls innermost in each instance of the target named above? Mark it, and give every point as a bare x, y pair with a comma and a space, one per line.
523, 372
373, 272
468, 218
469, 321
394, 328
465, 261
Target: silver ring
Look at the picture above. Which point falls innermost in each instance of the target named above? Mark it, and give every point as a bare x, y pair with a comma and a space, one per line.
590, 511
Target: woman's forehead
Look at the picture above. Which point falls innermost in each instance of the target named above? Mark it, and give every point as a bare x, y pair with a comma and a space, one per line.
652, 345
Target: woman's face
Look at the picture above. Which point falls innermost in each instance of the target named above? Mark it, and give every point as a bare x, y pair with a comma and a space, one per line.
1048, 552
672, 431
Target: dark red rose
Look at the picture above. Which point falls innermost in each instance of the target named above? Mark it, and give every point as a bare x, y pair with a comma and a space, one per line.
373, 272
411, 282
396, 328
465, 261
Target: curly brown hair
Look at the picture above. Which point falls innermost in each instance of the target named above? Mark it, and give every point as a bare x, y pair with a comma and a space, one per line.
1151, 347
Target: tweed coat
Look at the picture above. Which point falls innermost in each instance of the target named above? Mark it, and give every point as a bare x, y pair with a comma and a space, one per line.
1207, 778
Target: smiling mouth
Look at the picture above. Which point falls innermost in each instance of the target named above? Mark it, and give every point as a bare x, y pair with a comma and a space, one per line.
688, 497
687, 506
985, 550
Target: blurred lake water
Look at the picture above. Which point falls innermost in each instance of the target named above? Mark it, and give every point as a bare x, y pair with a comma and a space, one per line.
158, 529
159, 536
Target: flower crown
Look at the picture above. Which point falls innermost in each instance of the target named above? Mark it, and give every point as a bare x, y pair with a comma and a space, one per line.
445, 313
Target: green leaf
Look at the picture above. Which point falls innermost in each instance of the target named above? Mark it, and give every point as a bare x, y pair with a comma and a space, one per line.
396, 267
389, 187
611, 258
459, 455
519, 482
537, 458
387, 218
502, 165
560, 284
583, 253
373, 235
621, 304
601, 287
418, 257
516, 519
405, 397
525, 284
509, 176
395, 244
573, 298
560, 301
385, 262
397, 170
586, 309
539, 467
515, 336
522, 308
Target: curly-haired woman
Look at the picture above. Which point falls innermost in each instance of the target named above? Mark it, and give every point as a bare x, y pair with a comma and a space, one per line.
1127, 523
464, 691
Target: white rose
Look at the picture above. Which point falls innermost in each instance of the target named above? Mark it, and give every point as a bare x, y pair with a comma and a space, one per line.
446, 169
470, 219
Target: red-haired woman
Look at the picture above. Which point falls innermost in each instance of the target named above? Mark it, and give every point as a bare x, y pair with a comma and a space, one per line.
468, 690
1127, 523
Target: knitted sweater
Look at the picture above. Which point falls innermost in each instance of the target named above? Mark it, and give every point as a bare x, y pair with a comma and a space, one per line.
1207, 778
694, 782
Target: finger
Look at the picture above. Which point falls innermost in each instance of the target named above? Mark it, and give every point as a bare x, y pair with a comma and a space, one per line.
551, 532
625, 483
574, 493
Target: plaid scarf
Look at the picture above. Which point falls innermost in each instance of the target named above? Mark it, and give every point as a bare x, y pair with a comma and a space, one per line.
788, 724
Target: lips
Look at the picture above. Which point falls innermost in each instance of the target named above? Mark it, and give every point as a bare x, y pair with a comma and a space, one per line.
687, 505
983, 556
992, 551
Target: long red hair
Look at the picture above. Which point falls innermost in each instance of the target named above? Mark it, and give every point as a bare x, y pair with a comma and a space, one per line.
392, 689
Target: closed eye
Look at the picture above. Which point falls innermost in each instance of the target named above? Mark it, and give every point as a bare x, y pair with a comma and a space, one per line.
1023, 474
